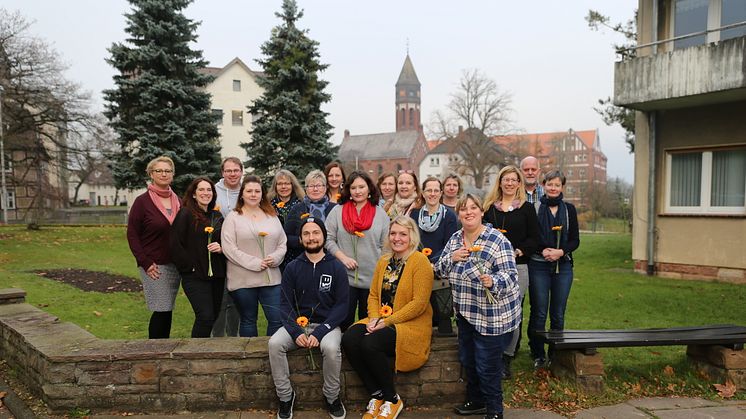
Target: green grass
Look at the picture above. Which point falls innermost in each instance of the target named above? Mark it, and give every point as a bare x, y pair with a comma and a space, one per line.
606, 294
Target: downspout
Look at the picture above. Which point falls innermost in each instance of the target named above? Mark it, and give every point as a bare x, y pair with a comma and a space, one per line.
651, 192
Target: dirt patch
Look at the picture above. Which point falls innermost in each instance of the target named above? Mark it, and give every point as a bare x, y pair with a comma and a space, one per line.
92, 280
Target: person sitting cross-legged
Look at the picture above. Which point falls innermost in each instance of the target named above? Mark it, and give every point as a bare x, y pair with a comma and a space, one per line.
315, 294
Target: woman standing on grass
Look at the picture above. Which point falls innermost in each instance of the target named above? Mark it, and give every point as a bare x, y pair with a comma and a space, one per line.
398, 323
356, 229
195, 234
551, 264
479, 263
507, 210
437, 224
254, 244
148, 235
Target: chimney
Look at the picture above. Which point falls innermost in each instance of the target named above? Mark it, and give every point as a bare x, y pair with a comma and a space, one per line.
460, 129
347, 135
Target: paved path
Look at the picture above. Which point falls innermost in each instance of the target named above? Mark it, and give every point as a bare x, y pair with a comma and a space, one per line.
649, 408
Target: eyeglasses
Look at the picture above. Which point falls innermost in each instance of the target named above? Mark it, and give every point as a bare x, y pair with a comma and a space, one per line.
232, 171
284, 184
312, 187
410, 172
160, 171
509, 180
431, 191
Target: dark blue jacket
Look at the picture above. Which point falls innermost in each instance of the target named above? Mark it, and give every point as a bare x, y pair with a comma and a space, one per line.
319, 292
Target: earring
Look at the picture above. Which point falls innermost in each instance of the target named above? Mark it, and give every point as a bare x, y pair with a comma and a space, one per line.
368, 196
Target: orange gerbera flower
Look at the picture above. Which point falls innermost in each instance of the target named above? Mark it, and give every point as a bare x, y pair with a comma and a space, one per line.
475, 249
360, 234
281, 204
338, 196
302, 321
385, 310
217, 208
304, 215
556, 228
427, 251
263, 234
502, 230
209, 230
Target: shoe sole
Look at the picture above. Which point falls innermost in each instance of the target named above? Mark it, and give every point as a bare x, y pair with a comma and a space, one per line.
482, 411
398, 411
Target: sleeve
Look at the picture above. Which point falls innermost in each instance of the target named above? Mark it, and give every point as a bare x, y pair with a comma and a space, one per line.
292, 222
179, 240
444, 264
338, 313
450, 226
374, 296
287, 301
422, 283
385, 230
279, 253
573, 231
332, 231
531, 243
231, 251
504, 272
135, 222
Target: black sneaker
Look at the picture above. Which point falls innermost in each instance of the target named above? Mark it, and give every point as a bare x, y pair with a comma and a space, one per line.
336, 409
539, 363
507, 374
286, 408
470, 408
493, 416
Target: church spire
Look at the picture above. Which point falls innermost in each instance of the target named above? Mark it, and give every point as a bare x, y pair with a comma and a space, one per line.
408, 98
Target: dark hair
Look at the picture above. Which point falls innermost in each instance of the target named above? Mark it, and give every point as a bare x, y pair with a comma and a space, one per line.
425, 182
188, 201
373, 196
328, 169
552, 174
264, 204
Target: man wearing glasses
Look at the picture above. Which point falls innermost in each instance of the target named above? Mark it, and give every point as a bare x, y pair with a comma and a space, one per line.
228, 188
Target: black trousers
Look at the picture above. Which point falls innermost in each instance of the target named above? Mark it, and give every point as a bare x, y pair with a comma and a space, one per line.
358, 301
371, 356
205, 295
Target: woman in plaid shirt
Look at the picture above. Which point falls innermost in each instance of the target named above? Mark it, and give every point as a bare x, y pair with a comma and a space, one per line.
480, 265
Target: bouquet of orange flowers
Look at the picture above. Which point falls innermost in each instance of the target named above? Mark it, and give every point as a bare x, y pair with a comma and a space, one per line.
302, 321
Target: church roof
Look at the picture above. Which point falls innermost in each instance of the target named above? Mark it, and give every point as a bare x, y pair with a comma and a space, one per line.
407, 75
387, 145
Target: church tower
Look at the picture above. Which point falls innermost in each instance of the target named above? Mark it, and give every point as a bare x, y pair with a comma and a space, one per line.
408, 99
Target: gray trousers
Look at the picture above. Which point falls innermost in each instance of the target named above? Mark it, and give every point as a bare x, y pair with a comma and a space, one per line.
523, 284
331, 351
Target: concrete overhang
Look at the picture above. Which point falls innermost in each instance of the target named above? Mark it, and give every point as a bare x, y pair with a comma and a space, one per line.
694, 76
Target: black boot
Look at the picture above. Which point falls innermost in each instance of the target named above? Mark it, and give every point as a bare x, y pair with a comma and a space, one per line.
507, 374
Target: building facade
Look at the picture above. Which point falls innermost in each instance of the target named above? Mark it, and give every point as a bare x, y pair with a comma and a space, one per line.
687, 83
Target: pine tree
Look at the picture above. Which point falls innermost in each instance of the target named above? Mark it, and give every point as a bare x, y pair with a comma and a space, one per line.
291, 131
158, 106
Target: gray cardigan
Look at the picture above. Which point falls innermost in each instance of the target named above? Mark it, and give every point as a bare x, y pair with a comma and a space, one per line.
368, 247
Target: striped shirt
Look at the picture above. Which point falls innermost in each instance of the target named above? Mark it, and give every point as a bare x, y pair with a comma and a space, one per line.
469, 295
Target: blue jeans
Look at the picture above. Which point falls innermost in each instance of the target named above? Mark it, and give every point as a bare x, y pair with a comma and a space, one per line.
481, 357
247, 301
548, 292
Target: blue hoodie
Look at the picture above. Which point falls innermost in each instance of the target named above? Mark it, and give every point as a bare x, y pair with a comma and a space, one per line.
318, 291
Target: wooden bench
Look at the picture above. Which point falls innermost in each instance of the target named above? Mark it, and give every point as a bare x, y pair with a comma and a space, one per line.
716, 350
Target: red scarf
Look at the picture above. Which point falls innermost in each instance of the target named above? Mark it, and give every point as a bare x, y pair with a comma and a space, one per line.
156, 194
352, 221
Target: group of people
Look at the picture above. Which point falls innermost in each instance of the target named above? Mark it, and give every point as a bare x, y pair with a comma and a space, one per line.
371, 268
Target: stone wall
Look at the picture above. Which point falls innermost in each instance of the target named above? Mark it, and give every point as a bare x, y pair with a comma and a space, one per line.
68, 367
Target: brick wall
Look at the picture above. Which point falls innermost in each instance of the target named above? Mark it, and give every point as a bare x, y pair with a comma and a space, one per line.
685, 271
68, 367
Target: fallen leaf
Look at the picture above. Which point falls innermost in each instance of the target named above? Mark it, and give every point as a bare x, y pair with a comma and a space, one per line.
97, 313
668, 371
636, 388
726, 390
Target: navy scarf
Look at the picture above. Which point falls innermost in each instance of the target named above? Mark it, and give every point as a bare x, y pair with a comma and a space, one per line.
547, 221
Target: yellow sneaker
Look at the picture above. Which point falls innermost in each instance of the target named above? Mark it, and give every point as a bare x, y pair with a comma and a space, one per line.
390, 410
373, 406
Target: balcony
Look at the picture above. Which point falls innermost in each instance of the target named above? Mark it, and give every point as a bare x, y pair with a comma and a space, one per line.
694, 76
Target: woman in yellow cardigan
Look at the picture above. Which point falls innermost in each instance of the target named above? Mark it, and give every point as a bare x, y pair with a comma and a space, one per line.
399, 322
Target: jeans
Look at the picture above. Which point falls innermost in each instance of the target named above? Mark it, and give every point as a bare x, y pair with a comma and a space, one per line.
548, 291
481, 357
247, 301
228, 318
358, 301
331, 353
205, 296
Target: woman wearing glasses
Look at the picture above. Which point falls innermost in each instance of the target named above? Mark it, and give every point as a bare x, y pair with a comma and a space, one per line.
284, 193
316, 203
507, 209
408, 195
149, 236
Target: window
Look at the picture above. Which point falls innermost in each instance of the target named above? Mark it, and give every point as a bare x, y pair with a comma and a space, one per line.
706, 182
692, 16
237, 118
8, 163
10, 198
732, 11
217, 115
380, 169
236, 85
411, 118
434, 161
582, 173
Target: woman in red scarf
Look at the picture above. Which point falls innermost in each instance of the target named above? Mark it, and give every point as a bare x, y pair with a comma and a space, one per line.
148, 234
356, 232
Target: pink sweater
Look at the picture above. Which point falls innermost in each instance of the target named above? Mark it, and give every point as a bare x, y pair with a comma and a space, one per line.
241, 248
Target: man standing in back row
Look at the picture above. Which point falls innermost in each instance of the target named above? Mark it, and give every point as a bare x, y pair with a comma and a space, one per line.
227, 189
531, 171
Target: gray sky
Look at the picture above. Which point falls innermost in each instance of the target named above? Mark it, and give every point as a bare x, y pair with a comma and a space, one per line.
540, 51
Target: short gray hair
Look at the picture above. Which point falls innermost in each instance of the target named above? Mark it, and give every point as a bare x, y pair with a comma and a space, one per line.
316, 175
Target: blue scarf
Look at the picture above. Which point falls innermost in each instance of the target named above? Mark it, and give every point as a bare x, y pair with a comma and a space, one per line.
547, 221
317, 209
430, 222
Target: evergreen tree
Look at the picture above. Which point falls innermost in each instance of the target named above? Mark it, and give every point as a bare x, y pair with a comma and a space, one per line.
291, 131
158, 106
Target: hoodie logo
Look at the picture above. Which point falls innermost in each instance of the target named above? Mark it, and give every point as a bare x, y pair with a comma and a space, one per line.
325, 283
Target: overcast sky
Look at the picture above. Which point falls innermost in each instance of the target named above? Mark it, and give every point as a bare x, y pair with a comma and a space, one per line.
540, 51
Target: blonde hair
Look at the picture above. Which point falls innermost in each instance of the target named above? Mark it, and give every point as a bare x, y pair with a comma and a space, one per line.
160, 159
284, 173
496, 193
414, 235
462, 201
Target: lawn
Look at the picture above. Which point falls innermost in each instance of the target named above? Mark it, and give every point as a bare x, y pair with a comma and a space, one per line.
605, 294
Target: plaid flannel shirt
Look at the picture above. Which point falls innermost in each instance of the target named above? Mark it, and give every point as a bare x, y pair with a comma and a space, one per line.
469, 299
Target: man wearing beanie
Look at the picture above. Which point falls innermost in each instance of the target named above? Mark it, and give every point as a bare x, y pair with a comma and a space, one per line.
314, 286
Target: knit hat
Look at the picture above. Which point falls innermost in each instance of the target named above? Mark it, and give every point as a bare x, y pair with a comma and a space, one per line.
316, 221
